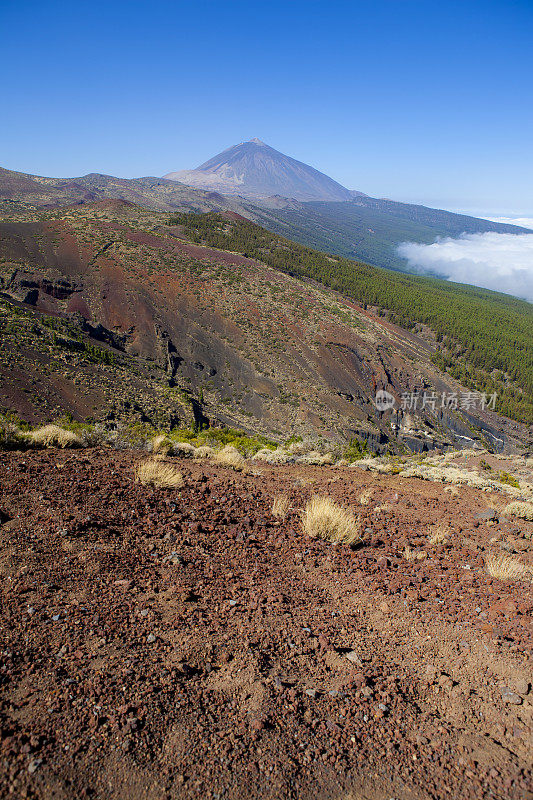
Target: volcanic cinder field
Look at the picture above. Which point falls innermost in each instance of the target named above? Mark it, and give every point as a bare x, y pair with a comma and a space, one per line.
187, 642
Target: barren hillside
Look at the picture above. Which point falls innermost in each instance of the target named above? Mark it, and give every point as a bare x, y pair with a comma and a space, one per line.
110, 313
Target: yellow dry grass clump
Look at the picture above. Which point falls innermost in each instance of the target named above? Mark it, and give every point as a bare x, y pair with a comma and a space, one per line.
156, 473
161, 444
438, 536
277, 456
184, 449
383, 509
280, 506
506, 568
314, 458
53, 436
364, 499
204, 451
520, 509
229, 456
451, 490
413, 555
322, 518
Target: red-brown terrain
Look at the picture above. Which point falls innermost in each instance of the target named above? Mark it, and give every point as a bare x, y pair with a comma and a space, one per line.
163, 643
250, 347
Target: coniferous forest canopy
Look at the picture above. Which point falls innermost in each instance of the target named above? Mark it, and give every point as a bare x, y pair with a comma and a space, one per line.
485, 339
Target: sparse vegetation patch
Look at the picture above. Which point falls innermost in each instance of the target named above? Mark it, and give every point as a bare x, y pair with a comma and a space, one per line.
156, 473
280, 506
229, 456
519, 509
506, 568
53, 436
322, 518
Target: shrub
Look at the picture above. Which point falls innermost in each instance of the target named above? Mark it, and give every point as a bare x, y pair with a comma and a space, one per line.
280, 506
246, 445
520, 509
295, 446
53, 436
510, 480
314, 458
204, 451
278, 456
356, 450
506, 568
322, 518
11, 437
183, 449
219, 437
155, 473
229, 456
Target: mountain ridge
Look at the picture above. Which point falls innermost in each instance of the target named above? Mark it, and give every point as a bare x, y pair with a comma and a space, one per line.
361, 228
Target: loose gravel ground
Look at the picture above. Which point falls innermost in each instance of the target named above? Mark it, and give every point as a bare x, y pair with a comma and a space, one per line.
163, 643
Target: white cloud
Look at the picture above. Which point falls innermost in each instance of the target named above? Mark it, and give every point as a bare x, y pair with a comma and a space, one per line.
499, 261
523, 222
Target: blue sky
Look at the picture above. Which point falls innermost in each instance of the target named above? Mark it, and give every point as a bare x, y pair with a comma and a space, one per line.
411, 99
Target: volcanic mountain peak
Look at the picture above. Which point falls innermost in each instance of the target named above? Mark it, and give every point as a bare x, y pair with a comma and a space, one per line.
254, 169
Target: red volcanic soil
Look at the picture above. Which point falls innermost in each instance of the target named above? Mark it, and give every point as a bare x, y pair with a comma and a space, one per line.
163, 643
182, 247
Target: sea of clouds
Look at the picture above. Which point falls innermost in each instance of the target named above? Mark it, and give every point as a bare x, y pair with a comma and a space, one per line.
499, 261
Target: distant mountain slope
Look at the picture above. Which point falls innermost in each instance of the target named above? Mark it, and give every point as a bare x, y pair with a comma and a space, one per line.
362, 228
21, 190
486, 336
254, 169
369, 229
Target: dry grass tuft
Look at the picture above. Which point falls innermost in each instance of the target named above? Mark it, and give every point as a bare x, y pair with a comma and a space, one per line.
280, 506
384, 509
204, 451
229, 456
366, 496
438, 536
322, 518
519, 509
183, 449
314, 458
278, 456
11, 437
451, 490
156, 473
161, 444
53, 436
413, 555
264, 454
506, 568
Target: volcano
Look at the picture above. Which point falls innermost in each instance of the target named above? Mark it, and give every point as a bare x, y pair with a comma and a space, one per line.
254, 169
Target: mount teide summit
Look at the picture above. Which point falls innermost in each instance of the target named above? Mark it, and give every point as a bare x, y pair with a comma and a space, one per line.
253, 169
